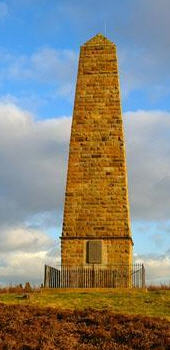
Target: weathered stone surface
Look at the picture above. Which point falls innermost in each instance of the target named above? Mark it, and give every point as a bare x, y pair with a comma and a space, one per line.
117, 251
96, 199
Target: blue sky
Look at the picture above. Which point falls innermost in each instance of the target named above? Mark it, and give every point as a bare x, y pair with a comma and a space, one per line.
39, 49
138, 28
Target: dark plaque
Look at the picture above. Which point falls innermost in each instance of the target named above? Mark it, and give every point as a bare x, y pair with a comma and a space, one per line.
94, 252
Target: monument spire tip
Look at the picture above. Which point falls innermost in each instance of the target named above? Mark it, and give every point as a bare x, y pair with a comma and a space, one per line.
98, 39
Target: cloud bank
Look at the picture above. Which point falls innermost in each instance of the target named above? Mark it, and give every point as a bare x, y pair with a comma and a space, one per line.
53, 70
148, 160
33, 156
157, 268
23, 253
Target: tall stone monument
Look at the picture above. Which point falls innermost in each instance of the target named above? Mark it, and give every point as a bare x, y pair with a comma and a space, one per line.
96, 224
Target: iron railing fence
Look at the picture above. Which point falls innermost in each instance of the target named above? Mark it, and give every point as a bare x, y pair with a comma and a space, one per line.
95, 276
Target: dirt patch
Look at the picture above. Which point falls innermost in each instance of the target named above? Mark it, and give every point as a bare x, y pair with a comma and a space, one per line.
32, 328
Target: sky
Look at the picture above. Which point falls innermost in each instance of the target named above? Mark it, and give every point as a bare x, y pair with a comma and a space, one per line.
39, 50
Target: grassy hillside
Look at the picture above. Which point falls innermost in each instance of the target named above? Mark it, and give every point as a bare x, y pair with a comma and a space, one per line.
131, 302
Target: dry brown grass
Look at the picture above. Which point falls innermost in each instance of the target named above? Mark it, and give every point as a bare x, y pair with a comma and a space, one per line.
19, 289
162, 286
24, 327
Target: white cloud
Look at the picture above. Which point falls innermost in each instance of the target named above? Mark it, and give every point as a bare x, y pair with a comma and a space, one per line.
56, 68
33, 158
3, 10
148, 154
23, 253
25, 100
51, 64
21, 239
157, 268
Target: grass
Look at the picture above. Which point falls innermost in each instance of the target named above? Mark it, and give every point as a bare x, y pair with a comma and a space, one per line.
154, 303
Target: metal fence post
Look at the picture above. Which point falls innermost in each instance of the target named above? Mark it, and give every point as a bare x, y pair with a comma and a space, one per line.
143, 276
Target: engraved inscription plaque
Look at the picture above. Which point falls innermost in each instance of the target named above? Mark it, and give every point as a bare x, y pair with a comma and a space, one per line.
94, 252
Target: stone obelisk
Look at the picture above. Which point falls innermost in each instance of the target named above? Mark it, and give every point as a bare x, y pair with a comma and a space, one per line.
96, 224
